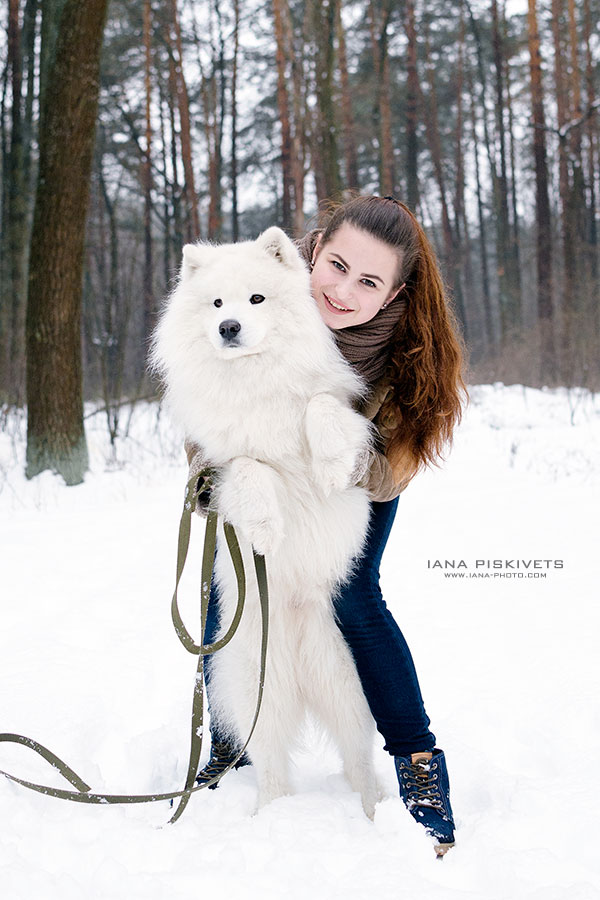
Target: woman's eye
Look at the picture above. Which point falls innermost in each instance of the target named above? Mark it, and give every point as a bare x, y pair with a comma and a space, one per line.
218, 302
369, 283
256, 298
338, 265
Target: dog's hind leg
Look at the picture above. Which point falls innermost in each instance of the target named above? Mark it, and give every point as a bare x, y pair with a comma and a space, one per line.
335, 694
269, 752
279, 718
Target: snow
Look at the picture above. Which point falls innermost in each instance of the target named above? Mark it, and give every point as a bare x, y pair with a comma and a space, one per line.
91, 667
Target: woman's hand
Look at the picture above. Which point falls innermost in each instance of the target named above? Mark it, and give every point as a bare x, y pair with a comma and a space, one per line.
197, 462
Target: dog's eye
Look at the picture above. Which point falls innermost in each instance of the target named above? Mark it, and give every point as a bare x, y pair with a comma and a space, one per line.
218, 302
256, 298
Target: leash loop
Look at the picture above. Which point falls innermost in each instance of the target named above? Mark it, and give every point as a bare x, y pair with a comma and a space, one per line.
83, 792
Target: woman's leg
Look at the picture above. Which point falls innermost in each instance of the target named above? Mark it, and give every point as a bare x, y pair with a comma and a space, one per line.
222, 750
383, 659
390, 683
210, 636
212, 617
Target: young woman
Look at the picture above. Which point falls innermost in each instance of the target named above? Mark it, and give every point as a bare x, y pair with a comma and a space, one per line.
377, 285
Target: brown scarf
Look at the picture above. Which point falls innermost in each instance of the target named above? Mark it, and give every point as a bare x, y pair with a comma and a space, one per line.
367, 347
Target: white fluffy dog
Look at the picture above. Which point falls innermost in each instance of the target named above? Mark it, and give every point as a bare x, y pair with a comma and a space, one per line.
254, 377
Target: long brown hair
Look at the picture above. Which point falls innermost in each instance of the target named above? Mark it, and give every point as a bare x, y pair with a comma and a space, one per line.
427, 352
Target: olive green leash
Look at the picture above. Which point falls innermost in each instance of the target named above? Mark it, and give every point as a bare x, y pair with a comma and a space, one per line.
83, 792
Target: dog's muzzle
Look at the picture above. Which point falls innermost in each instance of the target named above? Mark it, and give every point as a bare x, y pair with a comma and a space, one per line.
229, 330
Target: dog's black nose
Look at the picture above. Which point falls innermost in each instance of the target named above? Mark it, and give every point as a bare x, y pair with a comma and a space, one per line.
229, 329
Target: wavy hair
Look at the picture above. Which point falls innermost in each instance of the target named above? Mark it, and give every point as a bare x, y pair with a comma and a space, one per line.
427, 356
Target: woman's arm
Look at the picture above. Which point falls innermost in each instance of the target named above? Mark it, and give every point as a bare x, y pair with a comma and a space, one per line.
376, 478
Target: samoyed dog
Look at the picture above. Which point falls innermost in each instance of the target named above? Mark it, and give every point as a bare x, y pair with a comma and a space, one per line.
253, 376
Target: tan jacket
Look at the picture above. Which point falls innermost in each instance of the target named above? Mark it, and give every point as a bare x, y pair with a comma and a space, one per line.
378, 478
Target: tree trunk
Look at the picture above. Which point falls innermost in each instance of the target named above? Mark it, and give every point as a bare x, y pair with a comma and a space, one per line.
55, 433
324, 19
388, 183
430, 107
233, 162
462, 262
569, 278
508, 280
542, 201
214, 188
514, 243
112, 319
578, 204
166, 191
51, 15
487, 321
215, 208
149, 312
281, 60
213, 100
300, 138
576, 109
16, 226
176, 189
412, 108
350, 157
592, 168
29, 64
379, 22
490, 153
193, 218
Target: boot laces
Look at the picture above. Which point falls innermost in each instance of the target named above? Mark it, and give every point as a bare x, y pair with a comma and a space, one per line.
421, 782
221, 755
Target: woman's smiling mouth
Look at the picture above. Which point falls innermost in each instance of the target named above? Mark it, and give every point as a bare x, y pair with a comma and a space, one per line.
336, 307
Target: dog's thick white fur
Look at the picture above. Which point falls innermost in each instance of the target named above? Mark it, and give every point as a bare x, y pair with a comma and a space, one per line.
254, 377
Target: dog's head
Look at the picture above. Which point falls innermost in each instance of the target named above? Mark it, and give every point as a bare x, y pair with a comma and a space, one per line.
242, 318
241, 312
242, 297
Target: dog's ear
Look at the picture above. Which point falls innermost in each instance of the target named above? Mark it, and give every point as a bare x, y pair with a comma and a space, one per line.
278, 245
195, 256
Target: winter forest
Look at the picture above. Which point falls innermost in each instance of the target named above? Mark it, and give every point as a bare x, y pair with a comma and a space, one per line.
212, 119
129, 129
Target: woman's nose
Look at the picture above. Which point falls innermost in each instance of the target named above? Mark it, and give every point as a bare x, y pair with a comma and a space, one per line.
344, 290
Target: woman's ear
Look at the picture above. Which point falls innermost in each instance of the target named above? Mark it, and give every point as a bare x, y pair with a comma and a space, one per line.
315, 250
395, 295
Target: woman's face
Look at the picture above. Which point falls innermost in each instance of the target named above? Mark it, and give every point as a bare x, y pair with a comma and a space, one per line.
353, 276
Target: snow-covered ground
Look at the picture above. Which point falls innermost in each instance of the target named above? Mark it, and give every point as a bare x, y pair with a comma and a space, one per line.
90, 666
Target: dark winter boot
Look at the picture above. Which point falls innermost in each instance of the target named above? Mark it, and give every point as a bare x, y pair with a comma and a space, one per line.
425, 790
222, 754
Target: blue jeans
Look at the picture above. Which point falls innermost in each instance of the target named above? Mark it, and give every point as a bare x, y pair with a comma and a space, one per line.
383, 660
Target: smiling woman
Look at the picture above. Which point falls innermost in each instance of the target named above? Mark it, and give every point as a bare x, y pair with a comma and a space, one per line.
397, 327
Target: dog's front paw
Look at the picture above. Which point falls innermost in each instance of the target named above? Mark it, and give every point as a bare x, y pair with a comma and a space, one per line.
248, 499
338, 439
332, 474
265, 535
